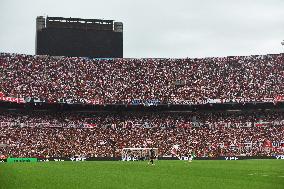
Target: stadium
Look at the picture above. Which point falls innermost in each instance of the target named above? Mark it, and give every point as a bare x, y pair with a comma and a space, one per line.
86, 117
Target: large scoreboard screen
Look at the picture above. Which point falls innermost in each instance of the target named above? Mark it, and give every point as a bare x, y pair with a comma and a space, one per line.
79, 38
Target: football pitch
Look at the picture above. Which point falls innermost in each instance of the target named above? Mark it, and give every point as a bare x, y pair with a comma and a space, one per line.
212, 174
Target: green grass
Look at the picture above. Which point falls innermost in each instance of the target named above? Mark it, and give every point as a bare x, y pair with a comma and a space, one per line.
213, 174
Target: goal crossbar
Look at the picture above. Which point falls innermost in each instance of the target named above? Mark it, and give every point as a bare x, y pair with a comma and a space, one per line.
132, 154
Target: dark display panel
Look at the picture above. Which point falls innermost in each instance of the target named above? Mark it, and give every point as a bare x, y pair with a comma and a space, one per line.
79, 43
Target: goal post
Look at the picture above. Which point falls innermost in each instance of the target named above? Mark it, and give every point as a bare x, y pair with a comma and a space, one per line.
136, 154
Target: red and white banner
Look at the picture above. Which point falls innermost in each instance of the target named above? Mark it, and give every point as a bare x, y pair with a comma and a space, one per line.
267, 143
229, 124
12, 99
279, 98
262, 123
184, 125
95, 101
89, 125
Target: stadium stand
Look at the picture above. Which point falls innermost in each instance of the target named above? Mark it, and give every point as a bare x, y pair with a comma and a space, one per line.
43, 134
49, 79
120, 81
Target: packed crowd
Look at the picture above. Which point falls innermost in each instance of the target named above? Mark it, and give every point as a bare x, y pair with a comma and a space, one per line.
45, 134
112, 81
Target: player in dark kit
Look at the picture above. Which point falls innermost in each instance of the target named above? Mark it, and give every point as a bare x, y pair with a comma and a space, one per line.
152, 156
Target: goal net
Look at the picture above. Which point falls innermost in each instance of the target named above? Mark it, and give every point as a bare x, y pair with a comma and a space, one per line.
136, 154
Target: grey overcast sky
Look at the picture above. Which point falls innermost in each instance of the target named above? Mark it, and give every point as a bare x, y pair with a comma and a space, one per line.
159, 28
